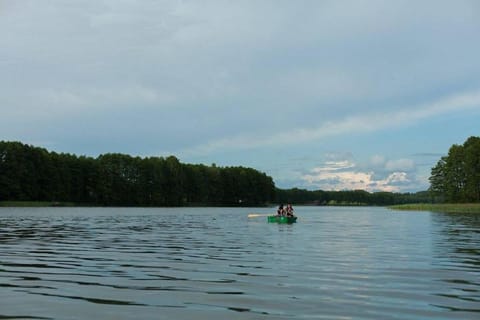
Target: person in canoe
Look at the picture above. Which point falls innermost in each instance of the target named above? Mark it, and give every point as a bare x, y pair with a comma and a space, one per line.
289, 210
281, 210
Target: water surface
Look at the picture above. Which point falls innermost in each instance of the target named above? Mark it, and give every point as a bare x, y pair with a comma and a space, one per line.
215, 263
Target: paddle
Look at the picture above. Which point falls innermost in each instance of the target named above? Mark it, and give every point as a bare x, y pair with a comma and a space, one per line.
254, 215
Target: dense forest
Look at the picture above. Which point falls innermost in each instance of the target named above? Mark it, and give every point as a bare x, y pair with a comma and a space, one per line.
30, 173
456, 177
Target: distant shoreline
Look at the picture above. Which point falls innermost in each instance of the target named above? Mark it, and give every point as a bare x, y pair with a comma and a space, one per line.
473, 208
37, 204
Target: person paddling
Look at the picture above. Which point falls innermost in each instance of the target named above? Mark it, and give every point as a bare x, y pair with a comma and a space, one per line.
289, 210
281, 210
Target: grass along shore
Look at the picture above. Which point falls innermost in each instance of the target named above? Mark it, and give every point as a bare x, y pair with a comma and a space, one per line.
36, 204
440, 207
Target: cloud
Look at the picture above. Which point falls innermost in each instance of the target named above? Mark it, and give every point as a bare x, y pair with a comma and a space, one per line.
346, 180
352, 180
380, 175
360, 123
334, 166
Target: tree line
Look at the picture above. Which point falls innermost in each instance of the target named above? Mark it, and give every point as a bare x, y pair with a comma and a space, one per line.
351, 197
456, 176
29, 173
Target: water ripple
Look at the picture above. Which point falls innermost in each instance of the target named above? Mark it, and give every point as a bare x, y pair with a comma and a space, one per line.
214, 263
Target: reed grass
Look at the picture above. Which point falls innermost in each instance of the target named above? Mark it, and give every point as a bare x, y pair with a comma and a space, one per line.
437, 207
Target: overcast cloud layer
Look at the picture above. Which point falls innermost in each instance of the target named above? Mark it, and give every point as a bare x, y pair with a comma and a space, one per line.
318, 94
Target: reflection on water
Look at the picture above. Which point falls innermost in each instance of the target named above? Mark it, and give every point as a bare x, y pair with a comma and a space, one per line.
214, 263
458, 238
457, 250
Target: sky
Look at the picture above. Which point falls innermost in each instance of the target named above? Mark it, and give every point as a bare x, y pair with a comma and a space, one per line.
331, 95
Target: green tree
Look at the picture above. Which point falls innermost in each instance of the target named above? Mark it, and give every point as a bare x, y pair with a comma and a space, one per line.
438, 178
456, 177
472, 168
31, 173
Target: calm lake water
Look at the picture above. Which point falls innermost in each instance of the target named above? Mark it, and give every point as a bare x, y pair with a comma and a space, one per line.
215, 263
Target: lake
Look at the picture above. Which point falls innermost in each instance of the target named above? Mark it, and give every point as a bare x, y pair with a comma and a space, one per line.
215, 263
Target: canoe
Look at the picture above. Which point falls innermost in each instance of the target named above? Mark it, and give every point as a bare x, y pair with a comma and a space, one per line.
281, 219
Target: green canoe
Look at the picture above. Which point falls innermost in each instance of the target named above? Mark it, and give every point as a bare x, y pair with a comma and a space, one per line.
281, 219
